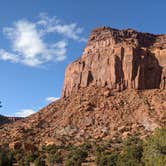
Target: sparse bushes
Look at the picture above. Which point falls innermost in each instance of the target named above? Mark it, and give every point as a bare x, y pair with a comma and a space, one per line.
39, 162
131, 152
76, 157
155, 149
6, 158
55, 159
107, 159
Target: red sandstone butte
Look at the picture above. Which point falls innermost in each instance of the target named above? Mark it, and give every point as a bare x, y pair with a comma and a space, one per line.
119, 59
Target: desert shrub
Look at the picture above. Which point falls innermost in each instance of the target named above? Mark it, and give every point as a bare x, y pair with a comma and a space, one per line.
6, 157
40, 162
24, 158
132, 152
99, 149
25, 163
19, 157
155, 149
76, 157
55, 159
30, 158
51, 149
86, 146
107, 159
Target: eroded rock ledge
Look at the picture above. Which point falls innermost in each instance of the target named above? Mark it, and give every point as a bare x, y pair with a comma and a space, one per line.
119, 59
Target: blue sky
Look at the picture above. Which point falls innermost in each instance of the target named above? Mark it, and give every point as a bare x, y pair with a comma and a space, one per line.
38, 38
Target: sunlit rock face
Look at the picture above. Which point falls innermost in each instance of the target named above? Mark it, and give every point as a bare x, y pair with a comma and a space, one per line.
119, 59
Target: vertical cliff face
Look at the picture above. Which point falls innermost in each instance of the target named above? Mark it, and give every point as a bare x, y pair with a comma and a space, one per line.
119, 59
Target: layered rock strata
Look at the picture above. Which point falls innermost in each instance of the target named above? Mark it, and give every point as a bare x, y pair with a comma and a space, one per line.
119, 59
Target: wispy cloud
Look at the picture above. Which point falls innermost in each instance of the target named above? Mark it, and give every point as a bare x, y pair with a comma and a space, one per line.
51, 99
54, 25
7, 56
24, 112
29, 45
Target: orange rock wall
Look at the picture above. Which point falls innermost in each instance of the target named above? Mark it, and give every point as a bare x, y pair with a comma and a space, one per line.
119, 59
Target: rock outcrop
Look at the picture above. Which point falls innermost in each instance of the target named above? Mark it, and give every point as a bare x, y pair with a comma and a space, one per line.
91, 108
4, 119
119, 59
87, 115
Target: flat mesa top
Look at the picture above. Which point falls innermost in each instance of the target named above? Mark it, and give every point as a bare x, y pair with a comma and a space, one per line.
143, 39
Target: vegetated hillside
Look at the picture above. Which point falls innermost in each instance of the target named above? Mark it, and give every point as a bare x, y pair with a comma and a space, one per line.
91, 113
117, 152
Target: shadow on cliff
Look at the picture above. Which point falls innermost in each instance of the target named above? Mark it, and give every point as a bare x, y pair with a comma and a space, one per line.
146, 70
119, 73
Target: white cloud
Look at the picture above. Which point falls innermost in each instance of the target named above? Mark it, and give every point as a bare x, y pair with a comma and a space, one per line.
6, 56
29, 45
54, 25
52, 99
24, 112
25, 39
